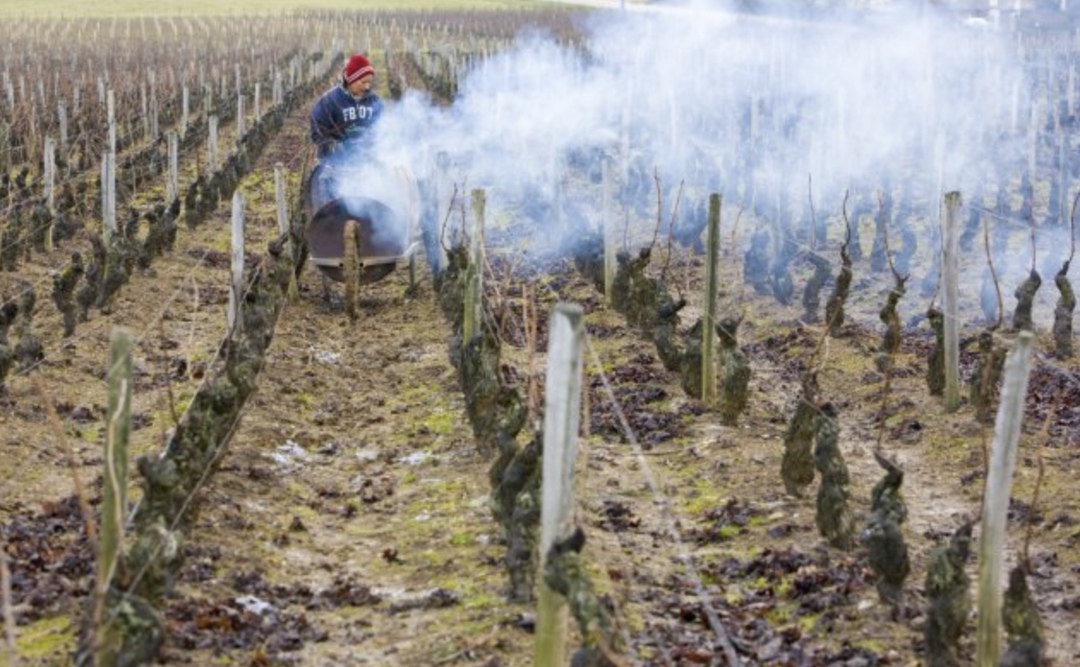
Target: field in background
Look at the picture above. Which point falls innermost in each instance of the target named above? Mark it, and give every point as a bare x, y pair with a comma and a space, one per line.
129, 8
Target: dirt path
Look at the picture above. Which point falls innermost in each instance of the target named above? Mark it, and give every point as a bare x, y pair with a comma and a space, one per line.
354, 477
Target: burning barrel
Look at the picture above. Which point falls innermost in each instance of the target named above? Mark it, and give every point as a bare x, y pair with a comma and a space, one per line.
382, 201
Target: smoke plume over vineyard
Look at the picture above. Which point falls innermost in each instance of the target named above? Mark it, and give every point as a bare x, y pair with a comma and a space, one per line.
766, 111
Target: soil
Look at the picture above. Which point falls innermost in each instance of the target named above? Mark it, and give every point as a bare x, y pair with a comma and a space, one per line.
349, 523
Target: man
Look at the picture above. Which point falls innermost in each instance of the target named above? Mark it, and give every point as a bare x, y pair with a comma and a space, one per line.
342, 119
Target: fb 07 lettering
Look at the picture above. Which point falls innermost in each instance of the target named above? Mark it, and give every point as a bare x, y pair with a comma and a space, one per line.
354, 113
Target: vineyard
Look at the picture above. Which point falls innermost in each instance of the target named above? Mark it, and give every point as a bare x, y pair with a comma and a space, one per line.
770, 362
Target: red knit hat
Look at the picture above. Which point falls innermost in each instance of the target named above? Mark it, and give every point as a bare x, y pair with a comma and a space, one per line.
357, 67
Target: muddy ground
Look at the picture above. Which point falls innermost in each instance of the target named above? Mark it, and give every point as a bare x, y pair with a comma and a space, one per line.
349, 523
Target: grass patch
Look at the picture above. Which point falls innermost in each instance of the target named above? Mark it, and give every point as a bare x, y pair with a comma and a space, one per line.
49, 637
704, 496
306, 402
462, 539
441, 422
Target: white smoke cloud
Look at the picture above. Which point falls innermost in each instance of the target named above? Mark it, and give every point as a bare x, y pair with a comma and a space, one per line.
750, 107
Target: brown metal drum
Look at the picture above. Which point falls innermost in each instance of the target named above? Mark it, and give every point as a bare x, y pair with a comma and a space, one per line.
382, 236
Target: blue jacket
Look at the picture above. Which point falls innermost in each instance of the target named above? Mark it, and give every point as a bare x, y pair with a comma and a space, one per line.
339, 118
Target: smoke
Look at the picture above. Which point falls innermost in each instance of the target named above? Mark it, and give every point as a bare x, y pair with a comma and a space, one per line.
752, 107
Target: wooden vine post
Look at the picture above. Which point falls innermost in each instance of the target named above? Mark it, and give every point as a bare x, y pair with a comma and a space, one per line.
62, 119
155, 127
611, 234
50, 188
1061, 206
110, 209
1070, 90
114, 493
108, 192
474, 287
8, 618
284, 227
110, 110
562, 415
996, 500
351, 268
212, 143
5, 140
185, 110
49, 167
444, 192
172, 186
708, 317
240, 129
236, 287
950, 301
1033, 138
144, 103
